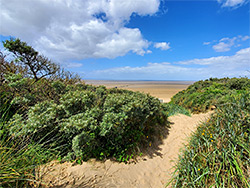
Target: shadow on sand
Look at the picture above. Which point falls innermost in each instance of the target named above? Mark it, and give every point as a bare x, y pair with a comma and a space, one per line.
152, 148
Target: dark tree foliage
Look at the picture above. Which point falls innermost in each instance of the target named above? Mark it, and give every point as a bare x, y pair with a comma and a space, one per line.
2, 66
7, 67
37, 66
31, 77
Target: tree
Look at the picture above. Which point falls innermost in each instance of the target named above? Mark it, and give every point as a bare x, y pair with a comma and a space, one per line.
37, 65
2, 67
7, 67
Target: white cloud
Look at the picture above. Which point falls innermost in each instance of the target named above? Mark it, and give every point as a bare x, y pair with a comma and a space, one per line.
223, 47
206, 43
121, 43
77, 29
73, 65
232, 3
196, 69
162, 45
225, 44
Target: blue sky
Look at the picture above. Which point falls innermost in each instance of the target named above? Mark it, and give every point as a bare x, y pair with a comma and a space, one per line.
137, 39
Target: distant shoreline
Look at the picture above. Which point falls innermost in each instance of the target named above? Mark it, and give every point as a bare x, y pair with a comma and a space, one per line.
163, 90
160, 82
141, 80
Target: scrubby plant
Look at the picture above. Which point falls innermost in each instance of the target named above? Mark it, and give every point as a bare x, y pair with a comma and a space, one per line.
202, 95
93, 121
48, 111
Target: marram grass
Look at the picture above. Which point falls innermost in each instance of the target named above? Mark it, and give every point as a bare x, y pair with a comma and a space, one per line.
19, 157
218, 154
173, 109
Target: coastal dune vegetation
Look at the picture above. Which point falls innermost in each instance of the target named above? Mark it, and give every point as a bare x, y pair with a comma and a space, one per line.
48, 113
204, 95
218, 153
55, 114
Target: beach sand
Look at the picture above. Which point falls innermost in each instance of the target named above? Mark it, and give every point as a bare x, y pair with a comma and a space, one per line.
163, 90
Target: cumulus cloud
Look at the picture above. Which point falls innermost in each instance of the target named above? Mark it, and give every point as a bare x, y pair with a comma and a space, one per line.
221, 66
77, 29
162, 45
232, 3
225, 44
122, 42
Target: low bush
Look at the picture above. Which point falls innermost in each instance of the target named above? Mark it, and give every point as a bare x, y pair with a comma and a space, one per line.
93, 121
202, 95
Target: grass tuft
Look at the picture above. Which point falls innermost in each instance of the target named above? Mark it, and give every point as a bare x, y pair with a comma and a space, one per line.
19, 156
173, 109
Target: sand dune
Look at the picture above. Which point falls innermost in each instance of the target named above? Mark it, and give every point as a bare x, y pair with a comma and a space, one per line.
152, 170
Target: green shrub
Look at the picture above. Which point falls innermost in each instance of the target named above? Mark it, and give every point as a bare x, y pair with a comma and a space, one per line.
202, 95
93, 121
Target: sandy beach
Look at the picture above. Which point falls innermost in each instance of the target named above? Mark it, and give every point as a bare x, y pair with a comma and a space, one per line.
163, 90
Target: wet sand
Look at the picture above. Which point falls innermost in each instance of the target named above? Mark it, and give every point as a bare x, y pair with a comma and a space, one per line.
163, 90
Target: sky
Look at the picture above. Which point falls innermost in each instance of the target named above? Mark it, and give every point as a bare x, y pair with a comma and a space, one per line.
135, 39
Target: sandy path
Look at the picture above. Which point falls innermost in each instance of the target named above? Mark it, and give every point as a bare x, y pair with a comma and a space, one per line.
149, 172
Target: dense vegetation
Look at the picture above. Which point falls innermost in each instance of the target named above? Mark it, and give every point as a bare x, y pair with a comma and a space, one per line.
92, 121
218, 154
202, 95
26, 78
49, 112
